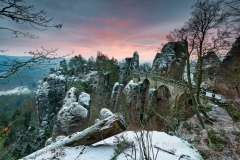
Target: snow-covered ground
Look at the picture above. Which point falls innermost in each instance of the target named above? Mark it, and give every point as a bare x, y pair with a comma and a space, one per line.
17, 90
162, 146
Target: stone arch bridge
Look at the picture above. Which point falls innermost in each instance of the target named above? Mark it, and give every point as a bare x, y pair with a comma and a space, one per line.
174, 92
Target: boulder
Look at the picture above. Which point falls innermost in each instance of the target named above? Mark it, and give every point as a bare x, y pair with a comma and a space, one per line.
70, 119
73, 116
105, 113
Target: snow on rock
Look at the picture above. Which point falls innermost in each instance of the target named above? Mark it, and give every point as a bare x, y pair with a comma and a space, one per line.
87, 77
53, 86
105, 113
70, 119
84, 99
115, 90
58, 78
90, 81
171, 60
129, 90
17, 90
97, 120
70, 97
78, 110
163, 147
101, 130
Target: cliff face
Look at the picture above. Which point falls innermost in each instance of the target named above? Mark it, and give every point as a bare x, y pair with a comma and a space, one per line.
49, 99
228, 82
211, 65
171, 61
74, 114
126, 66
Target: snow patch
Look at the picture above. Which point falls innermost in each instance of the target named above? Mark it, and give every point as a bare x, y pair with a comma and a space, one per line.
105, 113
78, 110
129, 87
84, 99
70, 97
17, 91
163, 147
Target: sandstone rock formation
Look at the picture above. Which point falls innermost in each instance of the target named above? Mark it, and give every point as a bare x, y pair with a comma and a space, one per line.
171, 61
126, 66
228, 82
232, 58
116, 93
90, 81
211, 64
73, 115
49, 98
105, 113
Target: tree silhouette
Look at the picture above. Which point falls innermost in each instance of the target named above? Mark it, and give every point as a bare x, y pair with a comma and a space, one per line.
205, 31
19, 12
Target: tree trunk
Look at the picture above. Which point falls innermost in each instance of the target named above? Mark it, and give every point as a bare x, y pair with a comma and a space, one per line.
99, 131
194, 98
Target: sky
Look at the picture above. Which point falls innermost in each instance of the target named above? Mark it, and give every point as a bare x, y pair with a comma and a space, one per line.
117, 28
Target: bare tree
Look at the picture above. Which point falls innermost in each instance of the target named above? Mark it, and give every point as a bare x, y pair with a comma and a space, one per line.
20, 12
205, 31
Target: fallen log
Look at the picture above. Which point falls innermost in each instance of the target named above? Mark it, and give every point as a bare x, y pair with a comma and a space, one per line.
99, 131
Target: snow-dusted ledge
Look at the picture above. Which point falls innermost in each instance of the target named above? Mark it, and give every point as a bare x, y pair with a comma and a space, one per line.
111, 125
165, 147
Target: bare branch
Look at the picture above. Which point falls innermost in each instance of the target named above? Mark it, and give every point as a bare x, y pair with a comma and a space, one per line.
39, 57
20, 12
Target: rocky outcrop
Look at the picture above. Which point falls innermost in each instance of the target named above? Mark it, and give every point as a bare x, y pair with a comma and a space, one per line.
106, 79
90, 81
73, 115
116, 94
171, 61
219, 141
228, 81
126, 66
84, 100
130, 91
49, 98
232, 59
105, 113
210, 59
210, 68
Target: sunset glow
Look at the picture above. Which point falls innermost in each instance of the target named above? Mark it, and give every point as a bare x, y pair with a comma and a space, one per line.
115, 28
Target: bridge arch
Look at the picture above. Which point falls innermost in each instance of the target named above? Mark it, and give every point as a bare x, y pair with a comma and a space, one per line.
146, 85
184, 109
162, 106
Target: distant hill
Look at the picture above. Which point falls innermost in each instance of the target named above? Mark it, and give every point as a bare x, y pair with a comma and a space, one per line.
27, 77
